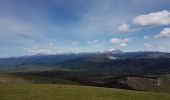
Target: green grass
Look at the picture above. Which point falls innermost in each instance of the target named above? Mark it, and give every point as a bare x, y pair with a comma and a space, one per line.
8, 79
72, 92
16, 88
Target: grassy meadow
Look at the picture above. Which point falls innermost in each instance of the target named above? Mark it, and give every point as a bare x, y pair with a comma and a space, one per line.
72, 92
17, 88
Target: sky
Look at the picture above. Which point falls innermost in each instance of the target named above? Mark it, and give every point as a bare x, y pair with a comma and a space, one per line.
29, 27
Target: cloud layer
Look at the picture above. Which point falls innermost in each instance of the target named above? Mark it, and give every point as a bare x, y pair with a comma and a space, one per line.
124, 28
165, 33
37, 51
119, 41
147, 45
153, 19
81, 25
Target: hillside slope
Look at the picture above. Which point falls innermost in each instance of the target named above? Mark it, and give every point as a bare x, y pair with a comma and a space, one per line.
149, 83
159, 83
71, 92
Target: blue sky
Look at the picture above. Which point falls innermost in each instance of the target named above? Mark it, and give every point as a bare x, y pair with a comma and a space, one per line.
59, 26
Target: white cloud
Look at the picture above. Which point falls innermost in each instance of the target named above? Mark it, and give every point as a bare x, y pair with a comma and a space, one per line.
92, 41
165, 33
146, 37
115, 40
111, 49
123, 45
59, 51
37, 51
75, 42
51, 44
147, 45
124, 28
119, 41
153, 19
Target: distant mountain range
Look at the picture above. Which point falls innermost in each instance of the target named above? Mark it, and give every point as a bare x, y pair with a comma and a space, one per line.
97, 61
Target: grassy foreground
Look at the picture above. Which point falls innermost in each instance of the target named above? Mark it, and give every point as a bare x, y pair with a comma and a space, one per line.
72, 92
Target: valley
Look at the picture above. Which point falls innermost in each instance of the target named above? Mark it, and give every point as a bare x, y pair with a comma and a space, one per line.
134, 74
